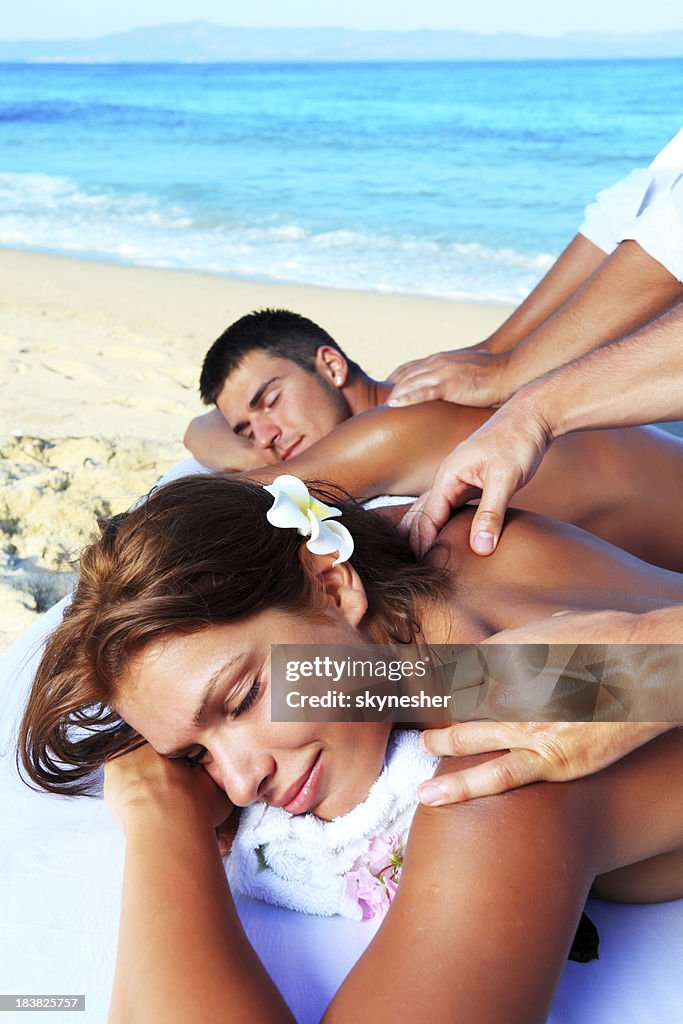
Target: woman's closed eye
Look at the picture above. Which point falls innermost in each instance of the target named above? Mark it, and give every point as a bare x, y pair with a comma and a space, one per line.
247, 700
199, 756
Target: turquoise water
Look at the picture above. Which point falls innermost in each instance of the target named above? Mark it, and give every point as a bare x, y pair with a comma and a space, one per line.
462, 180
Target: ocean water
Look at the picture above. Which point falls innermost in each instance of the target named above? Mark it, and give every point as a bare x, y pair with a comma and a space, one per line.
460, 180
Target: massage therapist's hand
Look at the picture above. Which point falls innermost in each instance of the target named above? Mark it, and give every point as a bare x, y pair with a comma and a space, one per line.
534, 752
143, 781
471, 376
495, 461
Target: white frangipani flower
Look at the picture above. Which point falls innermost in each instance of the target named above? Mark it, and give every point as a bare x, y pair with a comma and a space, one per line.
295, 508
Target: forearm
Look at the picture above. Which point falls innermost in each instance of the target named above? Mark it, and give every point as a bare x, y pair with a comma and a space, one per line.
626, 291
640, 658
211, 441
574, 266
182, 954
509, 873
638, 379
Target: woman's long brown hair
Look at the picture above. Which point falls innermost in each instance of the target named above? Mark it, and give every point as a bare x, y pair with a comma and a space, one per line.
196, 552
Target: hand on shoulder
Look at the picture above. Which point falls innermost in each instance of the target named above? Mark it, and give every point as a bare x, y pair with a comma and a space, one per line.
495, 461
533, 752
472, 376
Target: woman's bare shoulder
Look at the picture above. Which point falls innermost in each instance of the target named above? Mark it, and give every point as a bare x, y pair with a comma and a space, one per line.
541, 562
539, 566
526, 537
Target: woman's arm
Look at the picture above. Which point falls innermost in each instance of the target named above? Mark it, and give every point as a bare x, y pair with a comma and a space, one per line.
492, 891
489, 900
182, 954
488, 903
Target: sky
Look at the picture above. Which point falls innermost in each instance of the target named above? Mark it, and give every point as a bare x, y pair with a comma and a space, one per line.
45, 19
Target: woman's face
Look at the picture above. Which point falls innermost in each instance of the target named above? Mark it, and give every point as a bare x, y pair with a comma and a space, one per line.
206, 696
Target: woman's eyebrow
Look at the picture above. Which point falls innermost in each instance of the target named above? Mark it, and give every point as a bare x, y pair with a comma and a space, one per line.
206, 696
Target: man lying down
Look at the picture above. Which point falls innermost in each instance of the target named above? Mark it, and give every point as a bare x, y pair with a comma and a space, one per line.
37, 839
286, 396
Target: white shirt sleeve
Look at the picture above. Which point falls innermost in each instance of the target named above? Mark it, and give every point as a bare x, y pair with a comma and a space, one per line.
613, 207
658, 228
617, 211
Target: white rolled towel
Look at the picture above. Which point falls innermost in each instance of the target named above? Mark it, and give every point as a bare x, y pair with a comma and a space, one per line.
300, 862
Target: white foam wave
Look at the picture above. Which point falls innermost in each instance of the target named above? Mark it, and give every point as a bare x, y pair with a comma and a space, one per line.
40, 211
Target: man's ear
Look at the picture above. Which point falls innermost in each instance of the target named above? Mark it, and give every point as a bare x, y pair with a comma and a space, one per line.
340, 585
331, 365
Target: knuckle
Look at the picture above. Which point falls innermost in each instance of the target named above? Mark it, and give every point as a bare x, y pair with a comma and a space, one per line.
498, 475
503, 776
555, 756
457, 787
450, 741
488, 516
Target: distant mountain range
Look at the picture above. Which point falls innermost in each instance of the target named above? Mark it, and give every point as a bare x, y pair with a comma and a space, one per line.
202, 41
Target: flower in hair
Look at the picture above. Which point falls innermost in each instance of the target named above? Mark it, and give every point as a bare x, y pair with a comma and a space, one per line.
294, 508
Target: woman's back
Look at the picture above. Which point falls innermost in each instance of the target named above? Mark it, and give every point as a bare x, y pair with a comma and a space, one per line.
542, 567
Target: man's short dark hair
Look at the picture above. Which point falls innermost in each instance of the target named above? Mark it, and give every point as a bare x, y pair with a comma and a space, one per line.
278, 332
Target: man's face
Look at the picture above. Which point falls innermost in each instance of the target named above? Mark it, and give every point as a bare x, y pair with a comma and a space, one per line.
280, 407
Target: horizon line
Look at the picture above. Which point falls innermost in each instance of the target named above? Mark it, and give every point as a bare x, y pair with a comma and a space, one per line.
342, 28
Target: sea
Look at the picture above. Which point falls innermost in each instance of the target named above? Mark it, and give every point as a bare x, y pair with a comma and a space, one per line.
461, 180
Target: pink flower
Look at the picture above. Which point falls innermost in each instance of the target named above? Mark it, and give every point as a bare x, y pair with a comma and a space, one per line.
373, 879
379, 852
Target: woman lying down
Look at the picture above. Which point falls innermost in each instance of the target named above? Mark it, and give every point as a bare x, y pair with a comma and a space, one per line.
168, 638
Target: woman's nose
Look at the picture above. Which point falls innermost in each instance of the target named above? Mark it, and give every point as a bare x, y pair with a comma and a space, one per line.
245, 778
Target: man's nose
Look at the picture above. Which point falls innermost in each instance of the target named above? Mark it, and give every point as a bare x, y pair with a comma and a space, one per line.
245, 778
265, 431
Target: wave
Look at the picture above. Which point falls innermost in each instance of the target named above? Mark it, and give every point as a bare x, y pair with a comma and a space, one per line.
57, 214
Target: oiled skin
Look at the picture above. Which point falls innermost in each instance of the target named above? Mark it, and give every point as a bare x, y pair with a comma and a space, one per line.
492, 888
622, 485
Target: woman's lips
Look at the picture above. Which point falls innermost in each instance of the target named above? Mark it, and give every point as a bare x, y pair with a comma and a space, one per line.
305, 796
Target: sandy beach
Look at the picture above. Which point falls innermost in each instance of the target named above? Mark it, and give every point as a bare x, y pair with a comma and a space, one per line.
99, 365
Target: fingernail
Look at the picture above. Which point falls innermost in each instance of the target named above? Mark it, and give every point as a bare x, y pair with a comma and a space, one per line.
430, 793
483, 542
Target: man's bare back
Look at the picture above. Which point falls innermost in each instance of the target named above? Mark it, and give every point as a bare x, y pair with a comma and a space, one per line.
621, 485
317, 420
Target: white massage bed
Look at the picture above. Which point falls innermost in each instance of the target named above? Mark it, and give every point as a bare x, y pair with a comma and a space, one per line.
61, 862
